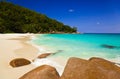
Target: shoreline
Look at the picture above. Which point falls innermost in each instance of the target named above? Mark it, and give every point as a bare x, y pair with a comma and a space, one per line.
15, 46
58, 63
31, 52
20, 46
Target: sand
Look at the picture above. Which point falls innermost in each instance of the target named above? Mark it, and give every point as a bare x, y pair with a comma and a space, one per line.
18, 46
15, 46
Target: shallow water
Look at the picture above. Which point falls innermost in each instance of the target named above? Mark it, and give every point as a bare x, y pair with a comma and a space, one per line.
80, 45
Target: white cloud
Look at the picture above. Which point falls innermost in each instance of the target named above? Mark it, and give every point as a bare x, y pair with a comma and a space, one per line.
71, 10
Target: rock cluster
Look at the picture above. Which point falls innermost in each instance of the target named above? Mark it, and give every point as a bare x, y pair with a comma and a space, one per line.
76, 68
94, 68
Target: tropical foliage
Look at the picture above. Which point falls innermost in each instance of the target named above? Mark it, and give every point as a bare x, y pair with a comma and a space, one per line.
16, 19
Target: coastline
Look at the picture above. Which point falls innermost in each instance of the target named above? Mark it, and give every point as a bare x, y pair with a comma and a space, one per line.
20, 46
59, 62
15, 46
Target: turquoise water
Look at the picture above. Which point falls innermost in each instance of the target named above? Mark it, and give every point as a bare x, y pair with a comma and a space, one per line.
80, 45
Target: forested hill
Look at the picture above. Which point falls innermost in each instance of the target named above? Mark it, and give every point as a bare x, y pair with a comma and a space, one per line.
16, 19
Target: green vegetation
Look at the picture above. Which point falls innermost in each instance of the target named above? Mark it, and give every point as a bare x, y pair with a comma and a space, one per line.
16, 19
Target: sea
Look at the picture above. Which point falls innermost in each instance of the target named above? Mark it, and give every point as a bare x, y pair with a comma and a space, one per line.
80, 45
83, 46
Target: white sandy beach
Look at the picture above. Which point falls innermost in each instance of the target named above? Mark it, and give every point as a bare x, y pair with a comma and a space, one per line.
17, 46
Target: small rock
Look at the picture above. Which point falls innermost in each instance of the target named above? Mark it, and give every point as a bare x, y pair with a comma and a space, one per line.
44, 55
19, 62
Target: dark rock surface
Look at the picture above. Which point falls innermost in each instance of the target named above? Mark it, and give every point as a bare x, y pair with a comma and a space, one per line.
44, 55
19, 62
108, 46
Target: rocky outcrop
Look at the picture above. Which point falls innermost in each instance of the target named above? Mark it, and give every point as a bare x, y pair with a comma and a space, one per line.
109, 46
44, 55
42, 72
19, 62
94, 68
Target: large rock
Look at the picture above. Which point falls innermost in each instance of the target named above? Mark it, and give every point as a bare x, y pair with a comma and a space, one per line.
44, 55
42, 72
104, 63
19, 62
95, 68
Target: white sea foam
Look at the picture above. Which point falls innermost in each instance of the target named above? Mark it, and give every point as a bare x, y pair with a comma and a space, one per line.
82, 46
46, 61
116, 60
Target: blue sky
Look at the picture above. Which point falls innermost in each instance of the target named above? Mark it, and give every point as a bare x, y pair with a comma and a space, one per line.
89, 16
